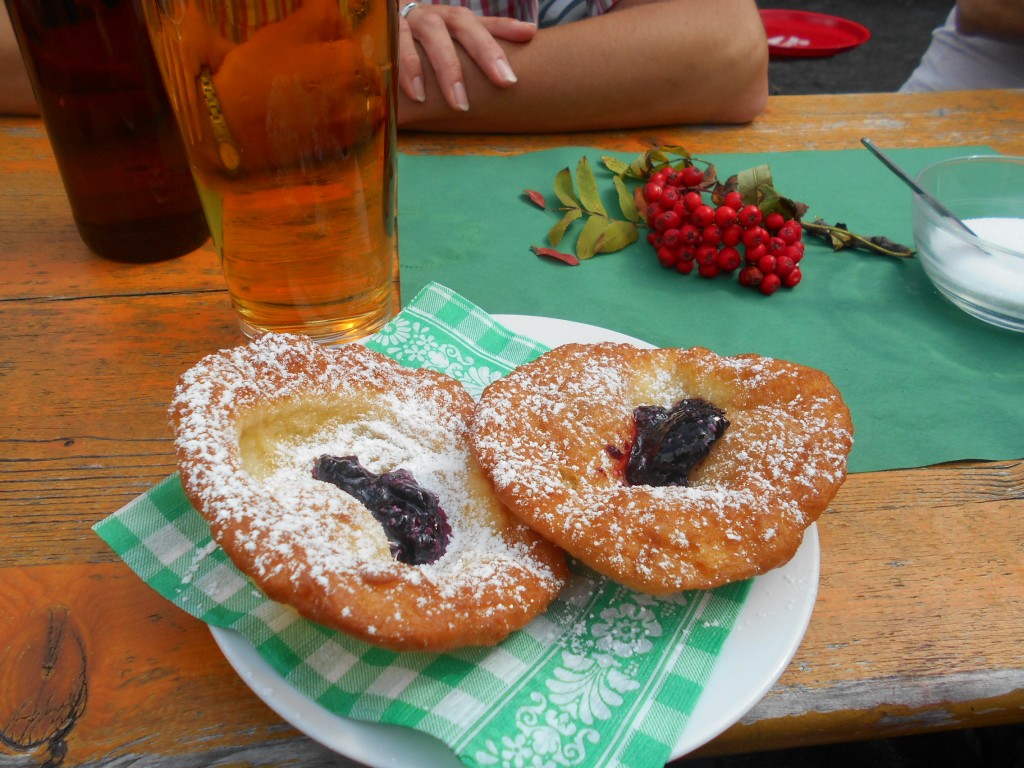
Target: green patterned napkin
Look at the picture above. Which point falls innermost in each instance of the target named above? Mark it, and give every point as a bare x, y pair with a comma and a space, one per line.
606, 677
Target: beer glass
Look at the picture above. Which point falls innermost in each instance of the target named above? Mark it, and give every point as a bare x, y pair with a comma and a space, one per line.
111, 128
287, 112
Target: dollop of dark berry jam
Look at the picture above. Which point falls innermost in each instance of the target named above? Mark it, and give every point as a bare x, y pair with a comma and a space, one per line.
416, 526
671, 442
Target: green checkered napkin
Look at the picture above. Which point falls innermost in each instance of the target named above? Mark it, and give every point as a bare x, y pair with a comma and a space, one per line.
606, 677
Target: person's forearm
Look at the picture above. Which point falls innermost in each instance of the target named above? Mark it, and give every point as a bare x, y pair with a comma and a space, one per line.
655, 62
1001, 19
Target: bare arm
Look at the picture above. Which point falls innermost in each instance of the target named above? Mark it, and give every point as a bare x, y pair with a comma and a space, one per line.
16, 97
1000, 19
647, 62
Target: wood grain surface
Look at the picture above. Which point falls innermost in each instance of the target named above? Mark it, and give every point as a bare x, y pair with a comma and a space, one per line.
919, 622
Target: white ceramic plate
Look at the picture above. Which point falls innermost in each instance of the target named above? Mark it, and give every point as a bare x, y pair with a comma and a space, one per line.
768, 631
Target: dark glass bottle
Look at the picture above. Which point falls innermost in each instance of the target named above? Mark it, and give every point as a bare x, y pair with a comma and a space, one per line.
111, 127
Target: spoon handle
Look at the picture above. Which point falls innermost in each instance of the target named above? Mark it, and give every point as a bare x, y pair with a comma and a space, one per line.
913, 184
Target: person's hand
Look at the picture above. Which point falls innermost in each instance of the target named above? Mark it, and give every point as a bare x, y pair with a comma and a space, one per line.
437, 29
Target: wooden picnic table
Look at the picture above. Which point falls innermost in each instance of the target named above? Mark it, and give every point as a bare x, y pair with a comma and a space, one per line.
919, 620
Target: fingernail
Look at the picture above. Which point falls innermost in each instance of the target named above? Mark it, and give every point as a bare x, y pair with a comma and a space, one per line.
505, 71
418, 91
459, 97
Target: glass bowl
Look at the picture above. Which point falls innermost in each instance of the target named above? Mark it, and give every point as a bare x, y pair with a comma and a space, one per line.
983, 273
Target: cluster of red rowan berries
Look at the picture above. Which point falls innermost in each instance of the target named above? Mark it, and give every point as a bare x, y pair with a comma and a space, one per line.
720, 237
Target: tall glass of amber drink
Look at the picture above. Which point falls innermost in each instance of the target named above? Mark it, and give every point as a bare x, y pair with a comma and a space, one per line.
287, 112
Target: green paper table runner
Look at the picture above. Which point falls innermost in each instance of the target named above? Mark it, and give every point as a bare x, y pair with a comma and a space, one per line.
925, 382
606, 677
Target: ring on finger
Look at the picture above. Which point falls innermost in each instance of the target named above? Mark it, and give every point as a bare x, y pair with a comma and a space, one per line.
407, 8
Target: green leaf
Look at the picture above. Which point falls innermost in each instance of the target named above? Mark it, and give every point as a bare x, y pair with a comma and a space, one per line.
677, 150
769, 199
641, 205
613, 164
626, 200
752, 182
642, 166
587, 184
603, 235
655, 158
791, 209
590, 235
564, 189
638, 169
557, 232
645, 164
617, 236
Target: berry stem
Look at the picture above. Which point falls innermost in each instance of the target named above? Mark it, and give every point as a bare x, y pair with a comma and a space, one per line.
839, 237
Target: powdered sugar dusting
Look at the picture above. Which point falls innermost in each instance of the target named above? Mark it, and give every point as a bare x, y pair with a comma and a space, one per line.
544, 435
250, 423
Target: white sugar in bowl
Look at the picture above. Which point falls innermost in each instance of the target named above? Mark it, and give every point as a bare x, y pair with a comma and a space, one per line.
983, 273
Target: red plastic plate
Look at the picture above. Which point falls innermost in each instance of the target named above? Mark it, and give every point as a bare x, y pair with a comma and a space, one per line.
800, 34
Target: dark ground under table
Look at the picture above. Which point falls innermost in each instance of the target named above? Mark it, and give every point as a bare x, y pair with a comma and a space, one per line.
995, 747
900, 33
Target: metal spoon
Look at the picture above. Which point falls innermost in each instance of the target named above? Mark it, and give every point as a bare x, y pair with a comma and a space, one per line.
942, 210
